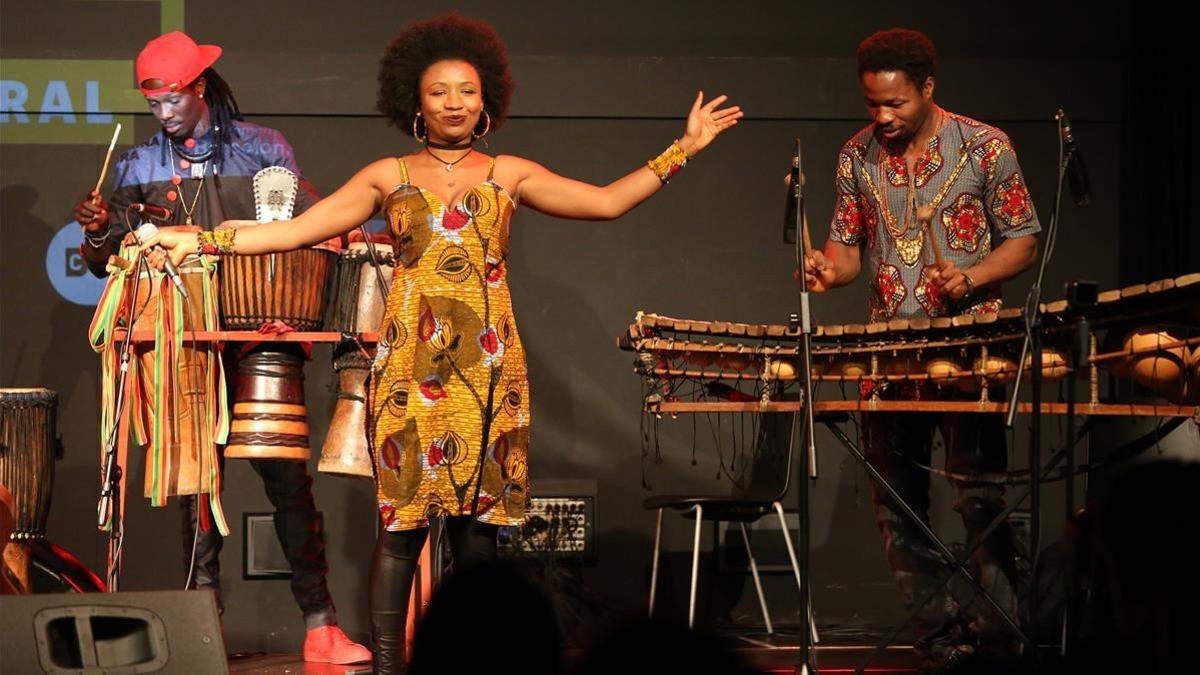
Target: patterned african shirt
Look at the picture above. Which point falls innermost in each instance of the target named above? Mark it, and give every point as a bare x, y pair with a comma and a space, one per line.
970, 176
155, 173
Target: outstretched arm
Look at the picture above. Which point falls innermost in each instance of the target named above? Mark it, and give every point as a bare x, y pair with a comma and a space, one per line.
340, 212
564, 197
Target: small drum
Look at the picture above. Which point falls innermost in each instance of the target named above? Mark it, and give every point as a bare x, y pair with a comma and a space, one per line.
357, 302
28, 448
287, 287
27, 451
345, 452
186, 437
270, 420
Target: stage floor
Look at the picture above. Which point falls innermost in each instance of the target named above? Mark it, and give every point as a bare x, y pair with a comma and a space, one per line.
771, 656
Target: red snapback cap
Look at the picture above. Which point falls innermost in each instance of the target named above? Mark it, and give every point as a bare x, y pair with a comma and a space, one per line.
171, 62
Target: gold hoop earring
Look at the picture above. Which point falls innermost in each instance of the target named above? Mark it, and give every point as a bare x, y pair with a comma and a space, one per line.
419, 137
486, 127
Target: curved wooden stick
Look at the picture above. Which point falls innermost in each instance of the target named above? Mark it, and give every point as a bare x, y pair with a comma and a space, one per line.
808, 247
108, 158
925, 218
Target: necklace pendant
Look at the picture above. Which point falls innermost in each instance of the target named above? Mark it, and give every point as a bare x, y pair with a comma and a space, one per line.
449, 167
188, 220
910, 249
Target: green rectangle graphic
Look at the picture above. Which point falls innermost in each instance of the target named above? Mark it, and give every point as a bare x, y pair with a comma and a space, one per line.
76, 101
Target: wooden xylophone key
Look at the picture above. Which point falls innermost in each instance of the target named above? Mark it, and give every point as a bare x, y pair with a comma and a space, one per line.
1133, 291
1160, 285
941, 322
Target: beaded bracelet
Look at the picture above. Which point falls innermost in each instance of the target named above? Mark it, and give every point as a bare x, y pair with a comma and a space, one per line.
98, 241
216, 242
669, 162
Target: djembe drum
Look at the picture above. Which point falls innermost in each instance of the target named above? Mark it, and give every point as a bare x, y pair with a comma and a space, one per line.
187, 433
361, 295
286, 287
270, 420
28, 448
359, 289
346, 451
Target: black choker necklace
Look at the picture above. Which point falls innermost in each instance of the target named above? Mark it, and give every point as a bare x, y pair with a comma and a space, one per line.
449, 165
450, 146
196, 158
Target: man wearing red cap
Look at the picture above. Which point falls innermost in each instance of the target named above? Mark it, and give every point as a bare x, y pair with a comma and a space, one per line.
200, 166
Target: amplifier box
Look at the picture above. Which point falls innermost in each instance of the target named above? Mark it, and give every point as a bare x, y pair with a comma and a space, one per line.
560, 522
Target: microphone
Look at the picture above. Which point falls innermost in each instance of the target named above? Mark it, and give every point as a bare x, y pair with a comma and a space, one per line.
152, 210
1077, 176
795, 189
143, 234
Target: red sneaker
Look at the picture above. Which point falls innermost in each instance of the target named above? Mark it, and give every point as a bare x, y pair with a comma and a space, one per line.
329, 644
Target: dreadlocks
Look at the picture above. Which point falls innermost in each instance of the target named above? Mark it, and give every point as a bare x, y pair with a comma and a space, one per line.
222, 110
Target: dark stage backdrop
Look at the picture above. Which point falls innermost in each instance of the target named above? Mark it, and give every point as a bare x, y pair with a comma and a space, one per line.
601, 87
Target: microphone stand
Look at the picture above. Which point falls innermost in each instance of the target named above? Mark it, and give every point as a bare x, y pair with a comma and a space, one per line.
109, 507
804, 664
1031, 347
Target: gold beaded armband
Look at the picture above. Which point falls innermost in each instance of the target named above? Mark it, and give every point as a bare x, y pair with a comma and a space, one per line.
669, 162
216, 242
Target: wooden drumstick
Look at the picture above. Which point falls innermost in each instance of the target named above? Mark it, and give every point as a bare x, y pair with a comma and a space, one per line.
108, 158
925, 217
808, 247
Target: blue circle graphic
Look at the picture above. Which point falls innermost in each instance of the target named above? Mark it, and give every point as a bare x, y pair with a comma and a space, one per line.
68, 271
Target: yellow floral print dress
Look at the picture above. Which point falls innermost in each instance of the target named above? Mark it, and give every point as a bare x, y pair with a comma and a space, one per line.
449, 392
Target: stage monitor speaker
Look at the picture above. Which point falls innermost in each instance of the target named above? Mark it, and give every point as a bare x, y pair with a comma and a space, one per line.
111, 633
